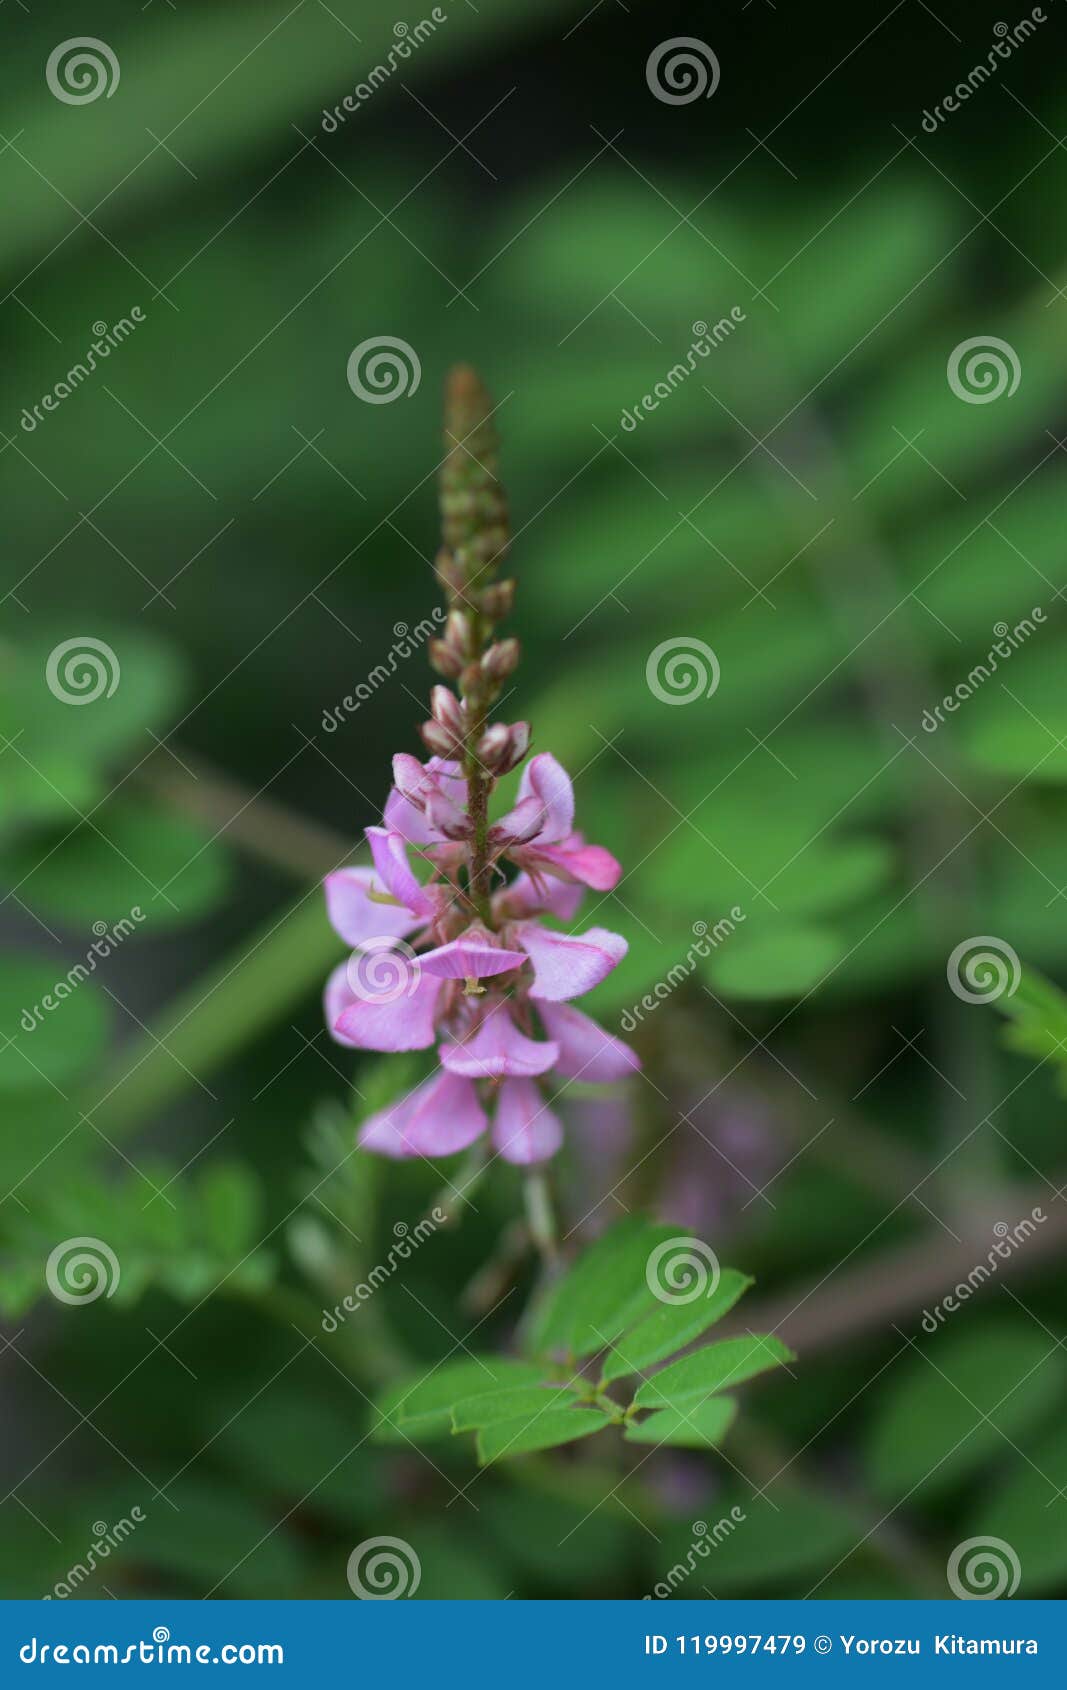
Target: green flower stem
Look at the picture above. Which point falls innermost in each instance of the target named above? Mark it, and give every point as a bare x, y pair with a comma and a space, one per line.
454, 1198
208, 1023
541, 1216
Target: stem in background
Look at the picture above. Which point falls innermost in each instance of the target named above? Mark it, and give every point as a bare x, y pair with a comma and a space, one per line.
454, 1196
541, 1217
205, 1025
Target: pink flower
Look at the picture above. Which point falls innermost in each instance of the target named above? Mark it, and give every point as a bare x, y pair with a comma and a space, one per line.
496, 999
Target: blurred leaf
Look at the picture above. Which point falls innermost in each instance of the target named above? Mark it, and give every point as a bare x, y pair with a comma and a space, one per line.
132, 861
964, 1400
1026, 1511
67, 1021
775, 959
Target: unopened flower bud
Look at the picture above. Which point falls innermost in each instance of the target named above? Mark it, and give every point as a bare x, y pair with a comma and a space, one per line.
501, 660
497, 600
458, 632
518, 746
450, 572
492, 748
438, 739
447, 711
446, 659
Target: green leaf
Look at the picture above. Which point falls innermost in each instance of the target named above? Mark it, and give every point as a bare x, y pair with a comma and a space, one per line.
422, 1407
230, 1204
46, 1046
757, 1543
605, 1291
774, 959
700, 1427
964, 1399
516, 1402
543, 1431
132, 863
672, 1327
1026, 1512
715, 1368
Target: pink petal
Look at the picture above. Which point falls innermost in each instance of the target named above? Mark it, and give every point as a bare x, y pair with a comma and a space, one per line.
547, 780
497, 1047
522, 823
525, 1129
428, 804
589, 864
390, 853
528, 896
355, 915
393, 1004
336, 999
441, 1116
471, 958
565, 967
586, 1051
401, 816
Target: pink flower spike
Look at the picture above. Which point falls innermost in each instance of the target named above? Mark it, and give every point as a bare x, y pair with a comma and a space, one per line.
566, 967
355, 915
525, 1129
586, 1051
441, 1116
497, 1048
547, 780
390, 853
392, 1004
471, 957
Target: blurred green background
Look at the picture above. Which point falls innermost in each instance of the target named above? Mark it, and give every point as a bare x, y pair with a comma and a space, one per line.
814, 502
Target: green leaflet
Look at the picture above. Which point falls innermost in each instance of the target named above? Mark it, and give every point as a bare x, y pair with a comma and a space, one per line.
716, 1368
603, 1293
672, 1327
701, 1427
541, 1431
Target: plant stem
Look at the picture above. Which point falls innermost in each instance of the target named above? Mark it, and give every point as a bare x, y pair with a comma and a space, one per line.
541, 1216
213, 1019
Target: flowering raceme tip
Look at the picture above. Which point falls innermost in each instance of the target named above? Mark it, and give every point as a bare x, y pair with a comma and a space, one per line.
461, 958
